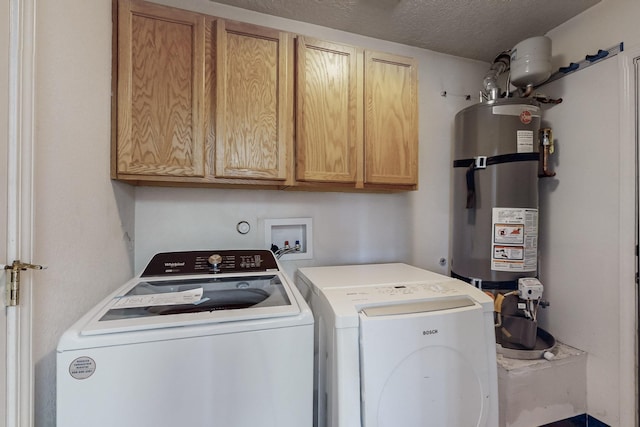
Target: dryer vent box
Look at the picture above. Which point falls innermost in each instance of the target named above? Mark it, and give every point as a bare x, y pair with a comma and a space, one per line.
291, 230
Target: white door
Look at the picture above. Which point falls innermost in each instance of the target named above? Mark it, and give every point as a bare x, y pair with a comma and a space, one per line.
4, 120
16, 143
629, 238
631, 323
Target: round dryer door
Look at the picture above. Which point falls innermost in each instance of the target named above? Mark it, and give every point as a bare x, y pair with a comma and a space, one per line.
422, 366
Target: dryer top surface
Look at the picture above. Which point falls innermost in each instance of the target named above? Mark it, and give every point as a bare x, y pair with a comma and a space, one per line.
367, 275
345, 290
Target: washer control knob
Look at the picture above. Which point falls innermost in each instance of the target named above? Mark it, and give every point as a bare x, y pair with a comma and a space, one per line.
215, 259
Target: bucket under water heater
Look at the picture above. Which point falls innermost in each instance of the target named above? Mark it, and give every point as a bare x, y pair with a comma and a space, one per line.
500, 152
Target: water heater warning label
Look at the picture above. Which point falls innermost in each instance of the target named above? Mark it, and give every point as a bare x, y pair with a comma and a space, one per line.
515, 239
525, 141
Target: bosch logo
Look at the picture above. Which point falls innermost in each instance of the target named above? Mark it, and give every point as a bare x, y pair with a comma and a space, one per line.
430, 332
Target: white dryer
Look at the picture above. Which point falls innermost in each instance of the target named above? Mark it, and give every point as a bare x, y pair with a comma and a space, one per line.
199, 339
400, 346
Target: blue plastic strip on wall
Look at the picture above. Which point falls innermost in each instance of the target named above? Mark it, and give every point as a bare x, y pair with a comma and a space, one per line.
588, 61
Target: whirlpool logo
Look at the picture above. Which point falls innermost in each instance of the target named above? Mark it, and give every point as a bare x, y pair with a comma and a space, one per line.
430, 332
174, 264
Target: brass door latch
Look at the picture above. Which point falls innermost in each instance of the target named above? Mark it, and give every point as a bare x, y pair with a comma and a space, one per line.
13, 287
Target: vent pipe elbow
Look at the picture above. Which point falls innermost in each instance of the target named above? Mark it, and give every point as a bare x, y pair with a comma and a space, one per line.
490, 83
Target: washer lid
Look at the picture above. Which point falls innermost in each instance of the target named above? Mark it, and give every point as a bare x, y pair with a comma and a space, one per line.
177, 301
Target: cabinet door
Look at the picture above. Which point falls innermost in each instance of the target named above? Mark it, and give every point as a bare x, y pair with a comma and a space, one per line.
254, 112
160, 91
328, 122
391, 119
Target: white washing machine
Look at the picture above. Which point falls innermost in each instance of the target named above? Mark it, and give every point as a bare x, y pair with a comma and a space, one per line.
206, 338
400, 346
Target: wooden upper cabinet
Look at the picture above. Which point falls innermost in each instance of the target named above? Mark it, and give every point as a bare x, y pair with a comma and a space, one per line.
201, 100
254, 98
391, 119
328, 112
160, 91
356, 119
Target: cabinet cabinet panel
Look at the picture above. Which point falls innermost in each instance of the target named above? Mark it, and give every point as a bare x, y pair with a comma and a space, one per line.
391, 119
160, 91
253, 101
328, 118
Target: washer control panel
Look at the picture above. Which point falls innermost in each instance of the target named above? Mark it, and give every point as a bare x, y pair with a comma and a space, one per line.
210, 262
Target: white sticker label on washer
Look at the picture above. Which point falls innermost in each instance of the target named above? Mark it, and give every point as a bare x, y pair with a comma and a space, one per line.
167, 298
525, 141
82, 368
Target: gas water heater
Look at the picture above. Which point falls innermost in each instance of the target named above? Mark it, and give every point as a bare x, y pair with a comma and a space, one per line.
499, 153
495, 207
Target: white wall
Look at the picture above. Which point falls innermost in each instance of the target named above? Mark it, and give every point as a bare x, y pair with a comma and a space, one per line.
586, 223
604, 25
84, 228
347, 228
579, 230
82, 218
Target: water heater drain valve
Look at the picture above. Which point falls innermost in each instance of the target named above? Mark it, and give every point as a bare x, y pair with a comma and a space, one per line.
530, 289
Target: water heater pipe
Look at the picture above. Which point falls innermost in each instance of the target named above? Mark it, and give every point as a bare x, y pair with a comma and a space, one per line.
499, 66
545, 136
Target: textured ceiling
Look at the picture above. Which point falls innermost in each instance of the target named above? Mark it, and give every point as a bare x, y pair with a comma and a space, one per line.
476, 29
